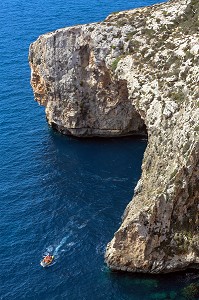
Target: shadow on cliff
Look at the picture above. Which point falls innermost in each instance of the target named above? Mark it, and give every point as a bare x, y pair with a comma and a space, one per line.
54, 131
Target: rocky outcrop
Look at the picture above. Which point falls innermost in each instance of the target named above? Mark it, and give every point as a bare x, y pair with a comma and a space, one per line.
137, 70
71, 78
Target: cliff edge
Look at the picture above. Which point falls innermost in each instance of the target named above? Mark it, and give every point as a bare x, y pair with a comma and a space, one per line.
135, 72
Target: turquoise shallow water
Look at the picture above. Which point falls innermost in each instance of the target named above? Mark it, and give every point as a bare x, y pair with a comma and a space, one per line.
57, 193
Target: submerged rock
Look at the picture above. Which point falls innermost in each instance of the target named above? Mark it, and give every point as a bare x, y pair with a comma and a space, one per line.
136, 71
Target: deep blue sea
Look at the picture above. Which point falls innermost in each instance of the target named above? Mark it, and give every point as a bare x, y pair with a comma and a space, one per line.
61, 194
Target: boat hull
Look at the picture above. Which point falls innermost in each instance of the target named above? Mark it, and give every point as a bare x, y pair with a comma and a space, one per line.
44, 264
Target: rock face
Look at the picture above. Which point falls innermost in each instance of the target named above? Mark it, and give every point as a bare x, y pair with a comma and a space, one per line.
71, 78
137, 70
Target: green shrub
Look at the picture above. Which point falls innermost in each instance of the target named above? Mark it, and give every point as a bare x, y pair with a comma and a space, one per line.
196, 128
177, 96
130, 35
115, 63
174, 173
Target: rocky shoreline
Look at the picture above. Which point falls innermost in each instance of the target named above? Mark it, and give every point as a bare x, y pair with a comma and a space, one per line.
136, 72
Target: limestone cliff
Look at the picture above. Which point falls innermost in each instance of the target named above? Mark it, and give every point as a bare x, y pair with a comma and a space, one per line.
136, 71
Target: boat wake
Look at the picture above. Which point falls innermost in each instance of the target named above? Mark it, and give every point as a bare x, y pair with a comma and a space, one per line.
63, 241
56, 249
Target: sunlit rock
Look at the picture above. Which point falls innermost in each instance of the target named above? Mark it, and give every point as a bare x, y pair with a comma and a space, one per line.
136, 71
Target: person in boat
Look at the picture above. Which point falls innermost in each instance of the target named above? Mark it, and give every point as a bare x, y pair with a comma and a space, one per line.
48, 258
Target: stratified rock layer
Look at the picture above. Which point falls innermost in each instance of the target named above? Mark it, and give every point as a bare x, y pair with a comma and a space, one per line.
138, 69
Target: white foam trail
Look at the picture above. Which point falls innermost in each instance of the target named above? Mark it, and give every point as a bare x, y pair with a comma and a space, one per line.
49, 249
60, 245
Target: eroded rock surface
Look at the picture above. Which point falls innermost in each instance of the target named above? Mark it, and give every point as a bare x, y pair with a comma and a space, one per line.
138, 69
